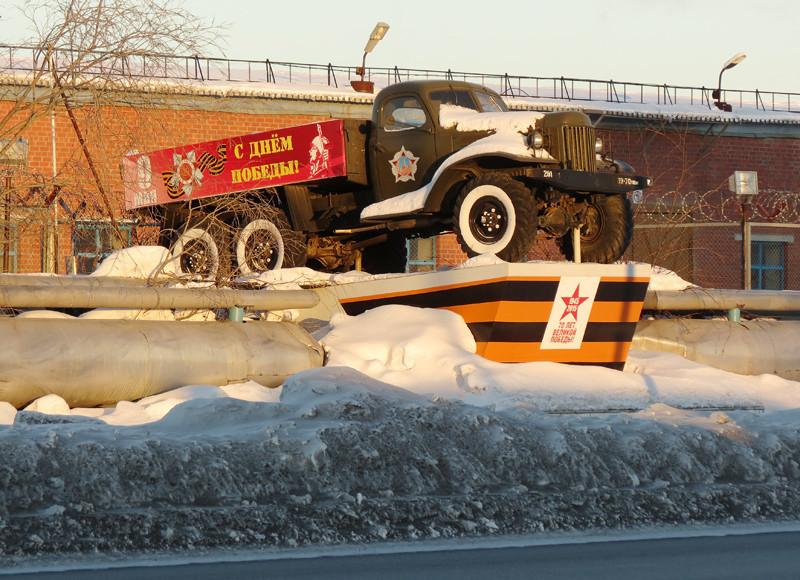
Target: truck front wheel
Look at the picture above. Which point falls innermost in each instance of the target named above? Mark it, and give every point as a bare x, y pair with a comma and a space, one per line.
269, 244
606, 232
494, 214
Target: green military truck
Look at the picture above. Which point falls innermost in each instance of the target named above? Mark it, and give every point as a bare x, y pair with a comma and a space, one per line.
437, 156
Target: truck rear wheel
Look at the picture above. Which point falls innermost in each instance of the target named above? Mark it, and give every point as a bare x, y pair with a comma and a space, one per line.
606, 232
268, 244
494, 214
197, 254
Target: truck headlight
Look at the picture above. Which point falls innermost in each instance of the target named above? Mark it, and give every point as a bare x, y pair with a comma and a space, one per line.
535, 140
598, 145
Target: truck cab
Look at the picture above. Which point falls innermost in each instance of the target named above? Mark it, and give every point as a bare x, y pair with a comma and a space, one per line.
407, 142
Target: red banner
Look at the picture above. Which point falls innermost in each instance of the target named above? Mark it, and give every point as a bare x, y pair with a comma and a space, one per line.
278, 157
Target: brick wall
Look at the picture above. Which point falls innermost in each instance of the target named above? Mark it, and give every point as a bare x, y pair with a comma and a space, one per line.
695, 162
683, 162
692, 167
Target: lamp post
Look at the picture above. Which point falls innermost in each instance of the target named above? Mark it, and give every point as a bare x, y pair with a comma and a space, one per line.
717, 94
377, 34
744, 185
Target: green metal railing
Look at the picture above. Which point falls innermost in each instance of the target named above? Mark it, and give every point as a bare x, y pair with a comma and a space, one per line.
26, 59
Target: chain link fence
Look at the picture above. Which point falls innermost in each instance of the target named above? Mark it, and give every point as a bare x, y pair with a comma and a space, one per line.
702, 237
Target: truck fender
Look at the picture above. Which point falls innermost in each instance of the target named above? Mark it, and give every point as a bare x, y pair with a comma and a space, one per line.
617, 166
446, 183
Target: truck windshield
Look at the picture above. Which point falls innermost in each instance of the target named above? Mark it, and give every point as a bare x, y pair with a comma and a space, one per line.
453, 97
486, 102
490, 103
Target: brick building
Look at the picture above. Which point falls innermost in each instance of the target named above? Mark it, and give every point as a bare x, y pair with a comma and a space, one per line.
56, 217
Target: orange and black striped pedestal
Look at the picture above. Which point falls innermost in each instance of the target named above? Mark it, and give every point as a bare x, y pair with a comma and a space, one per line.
537, 311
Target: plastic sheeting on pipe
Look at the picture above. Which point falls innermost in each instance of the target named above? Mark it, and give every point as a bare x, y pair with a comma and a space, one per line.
714, 299
100, 362
749, 347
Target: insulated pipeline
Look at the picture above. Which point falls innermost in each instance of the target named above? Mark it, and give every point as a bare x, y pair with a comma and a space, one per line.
80, 296
101, 362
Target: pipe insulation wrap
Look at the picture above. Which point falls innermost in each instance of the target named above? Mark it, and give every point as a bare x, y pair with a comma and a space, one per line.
749, 347
100, 362
715, 299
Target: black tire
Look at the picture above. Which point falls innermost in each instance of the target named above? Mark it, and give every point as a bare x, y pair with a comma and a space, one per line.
269, 243
606, 232
494, 214
389, 257
200, 252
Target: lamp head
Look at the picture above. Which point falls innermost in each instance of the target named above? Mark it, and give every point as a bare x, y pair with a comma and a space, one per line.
744, 185
734, 60
377, 34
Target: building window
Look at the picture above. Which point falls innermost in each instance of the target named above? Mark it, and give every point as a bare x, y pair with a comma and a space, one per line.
8, 246
92, 242
421, 255
768, 265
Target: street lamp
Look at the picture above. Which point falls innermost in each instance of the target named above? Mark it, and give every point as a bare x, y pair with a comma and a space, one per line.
744, 185
378, 33
717, 94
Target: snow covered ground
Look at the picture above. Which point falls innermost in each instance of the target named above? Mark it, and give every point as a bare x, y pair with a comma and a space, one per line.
405, 434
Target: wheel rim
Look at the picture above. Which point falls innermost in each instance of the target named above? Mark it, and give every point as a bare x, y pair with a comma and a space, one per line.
197, 254
261, 251
488, 220
260, 247
196, 257
592, 224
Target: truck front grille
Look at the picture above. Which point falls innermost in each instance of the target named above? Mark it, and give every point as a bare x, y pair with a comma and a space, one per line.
578, 152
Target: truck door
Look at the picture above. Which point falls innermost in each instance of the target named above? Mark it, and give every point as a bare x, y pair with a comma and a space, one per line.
402, 147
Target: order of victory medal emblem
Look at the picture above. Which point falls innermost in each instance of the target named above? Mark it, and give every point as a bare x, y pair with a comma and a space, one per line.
404, 165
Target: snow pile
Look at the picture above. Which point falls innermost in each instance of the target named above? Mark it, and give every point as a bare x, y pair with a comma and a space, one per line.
432, 353
663, 279
463, 119
140, 262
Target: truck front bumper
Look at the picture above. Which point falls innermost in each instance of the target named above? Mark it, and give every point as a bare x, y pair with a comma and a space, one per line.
588, 182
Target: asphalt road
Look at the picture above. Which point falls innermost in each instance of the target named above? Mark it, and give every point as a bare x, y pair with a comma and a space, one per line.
760, 555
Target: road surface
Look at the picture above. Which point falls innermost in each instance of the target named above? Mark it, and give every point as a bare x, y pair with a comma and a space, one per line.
759, 555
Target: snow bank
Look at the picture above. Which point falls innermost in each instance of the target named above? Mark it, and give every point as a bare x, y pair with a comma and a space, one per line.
663, 279
405, 434
141, 262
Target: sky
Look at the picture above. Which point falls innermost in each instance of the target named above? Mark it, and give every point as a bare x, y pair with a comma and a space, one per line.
675, 42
